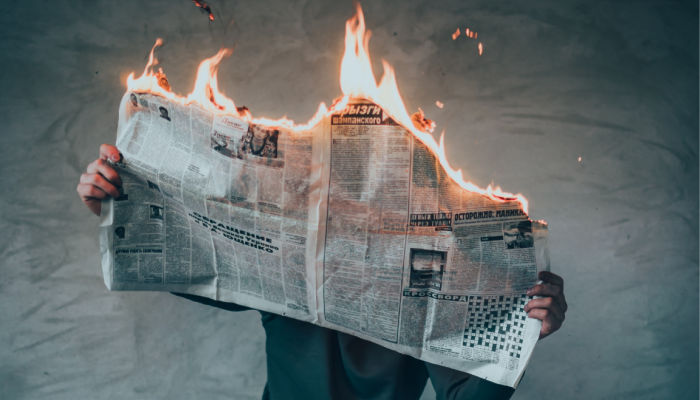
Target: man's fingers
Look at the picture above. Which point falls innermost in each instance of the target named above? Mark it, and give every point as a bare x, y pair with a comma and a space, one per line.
110, 152
544, 289
549, 290
103, 168
548, 303
87, 194
550, 323
98, 182
552, 278
88, 191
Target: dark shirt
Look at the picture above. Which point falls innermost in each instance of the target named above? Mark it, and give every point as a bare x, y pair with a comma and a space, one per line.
305, 361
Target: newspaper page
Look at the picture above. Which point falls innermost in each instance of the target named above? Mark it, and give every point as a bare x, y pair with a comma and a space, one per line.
352, 225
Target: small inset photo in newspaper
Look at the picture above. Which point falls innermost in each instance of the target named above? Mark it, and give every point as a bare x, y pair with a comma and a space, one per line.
427, 267
120, 232
259, 141
224, 145
156, 212
518, 235
164, 113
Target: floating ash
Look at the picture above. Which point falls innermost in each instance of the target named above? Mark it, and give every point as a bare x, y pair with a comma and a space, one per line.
469, 34
205, 8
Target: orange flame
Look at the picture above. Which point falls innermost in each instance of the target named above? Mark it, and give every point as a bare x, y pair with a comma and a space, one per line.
206, 86
455, 34
357, 80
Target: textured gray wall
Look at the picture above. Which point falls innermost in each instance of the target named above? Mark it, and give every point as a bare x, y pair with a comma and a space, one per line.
613, 82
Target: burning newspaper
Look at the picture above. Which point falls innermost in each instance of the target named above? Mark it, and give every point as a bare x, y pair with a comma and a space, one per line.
352, 225
354, 221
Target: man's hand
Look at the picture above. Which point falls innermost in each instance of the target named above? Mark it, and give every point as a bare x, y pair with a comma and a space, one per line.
551, 306
100, 180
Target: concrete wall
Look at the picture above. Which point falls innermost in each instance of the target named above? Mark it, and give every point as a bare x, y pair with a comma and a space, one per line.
615, 83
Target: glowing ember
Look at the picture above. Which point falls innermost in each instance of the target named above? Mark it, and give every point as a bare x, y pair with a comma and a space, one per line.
421, 122
439, 104
455, 34
162, 79
357, 80
481, 48
205, 7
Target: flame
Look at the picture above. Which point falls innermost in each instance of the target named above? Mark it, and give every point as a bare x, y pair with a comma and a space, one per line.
481, 48
206, 86
455, 35
357, 80
439, 104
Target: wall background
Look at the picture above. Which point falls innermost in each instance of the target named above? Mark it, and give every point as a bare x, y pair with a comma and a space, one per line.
615, 83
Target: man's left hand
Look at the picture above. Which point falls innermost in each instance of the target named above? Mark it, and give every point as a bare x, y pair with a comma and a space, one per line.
551, 306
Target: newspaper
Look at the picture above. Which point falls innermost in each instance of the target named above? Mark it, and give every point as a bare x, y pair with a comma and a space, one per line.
352, 225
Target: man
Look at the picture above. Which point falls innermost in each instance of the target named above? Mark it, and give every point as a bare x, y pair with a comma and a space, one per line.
306, 361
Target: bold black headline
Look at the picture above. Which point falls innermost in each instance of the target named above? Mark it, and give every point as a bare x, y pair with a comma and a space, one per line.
444, 219
136, 250
361, 114
235, 234
434, 295
431, 219
475, 215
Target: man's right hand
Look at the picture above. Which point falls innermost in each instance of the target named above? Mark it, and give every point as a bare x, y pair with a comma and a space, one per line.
100, 180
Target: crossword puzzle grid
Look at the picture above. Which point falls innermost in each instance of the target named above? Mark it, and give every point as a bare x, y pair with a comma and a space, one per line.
495, 323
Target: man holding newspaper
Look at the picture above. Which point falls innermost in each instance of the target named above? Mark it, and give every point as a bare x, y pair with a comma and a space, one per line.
309, 361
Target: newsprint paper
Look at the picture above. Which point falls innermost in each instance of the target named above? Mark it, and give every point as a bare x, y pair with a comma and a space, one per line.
352, 225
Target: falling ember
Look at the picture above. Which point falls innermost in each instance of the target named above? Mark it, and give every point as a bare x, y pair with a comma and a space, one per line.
579, 159
205, 7
455, 34
439, 104
421, 122
481, 48
357, 80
